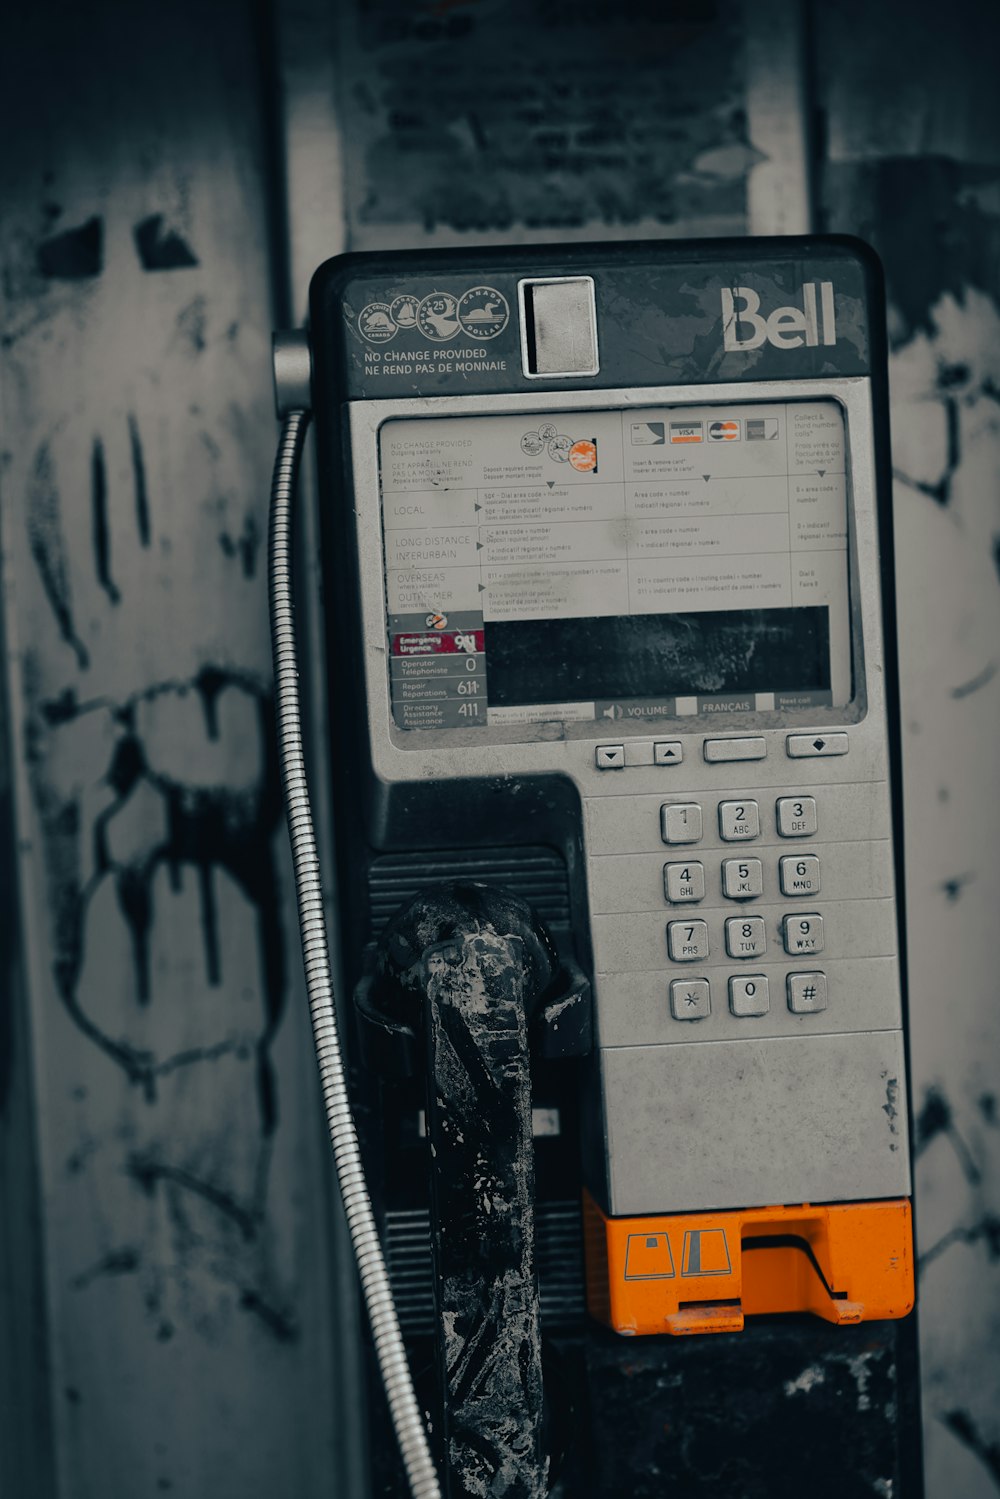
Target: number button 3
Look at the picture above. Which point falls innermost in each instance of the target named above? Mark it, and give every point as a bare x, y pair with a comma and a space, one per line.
796, 816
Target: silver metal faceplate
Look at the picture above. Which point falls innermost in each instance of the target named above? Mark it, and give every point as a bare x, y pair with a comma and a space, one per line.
730, 1110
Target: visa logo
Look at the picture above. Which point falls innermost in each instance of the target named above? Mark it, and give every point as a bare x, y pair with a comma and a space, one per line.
745, 327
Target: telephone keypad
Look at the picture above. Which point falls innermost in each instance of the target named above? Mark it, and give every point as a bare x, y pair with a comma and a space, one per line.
749, 995
739, 821
798, 874
680, 822
690, 999
684, 882
803, 934
745, 937
742, 879
687, 941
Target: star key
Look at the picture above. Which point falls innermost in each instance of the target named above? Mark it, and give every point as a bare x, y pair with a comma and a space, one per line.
690, 999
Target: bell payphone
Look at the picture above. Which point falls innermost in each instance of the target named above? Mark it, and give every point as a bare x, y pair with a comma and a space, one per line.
605, 532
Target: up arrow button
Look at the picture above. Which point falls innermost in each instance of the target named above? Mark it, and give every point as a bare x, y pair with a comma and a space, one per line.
806, 746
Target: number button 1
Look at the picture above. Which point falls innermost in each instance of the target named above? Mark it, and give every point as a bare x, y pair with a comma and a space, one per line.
683, 882
796, 816
803, 933
680, 822
687, 941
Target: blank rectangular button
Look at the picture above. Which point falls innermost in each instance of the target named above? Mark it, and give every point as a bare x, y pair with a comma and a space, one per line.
808, 746
751, 747
558, 327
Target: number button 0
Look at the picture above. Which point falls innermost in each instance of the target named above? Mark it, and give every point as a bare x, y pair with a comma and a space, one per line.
742, 879
799, 874
796, 816
745, 936
683, 882
680, 822
749, 996
738, 820
803, 933
687, 941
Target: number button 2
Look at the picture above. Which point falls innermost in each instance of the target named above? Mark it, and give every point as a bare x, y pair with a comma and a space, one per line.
738, 820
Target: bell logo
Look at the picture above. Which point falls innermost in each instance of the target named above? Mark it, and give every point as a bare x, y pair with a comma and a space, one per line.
744, 327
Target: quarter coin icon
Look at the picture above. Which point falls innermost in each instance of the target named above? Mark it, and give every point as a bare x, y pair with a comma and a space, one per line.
437, 316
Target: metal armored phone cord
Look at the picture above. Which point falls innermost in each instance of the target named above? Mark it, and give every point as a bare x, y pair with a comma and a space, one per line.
396, 1378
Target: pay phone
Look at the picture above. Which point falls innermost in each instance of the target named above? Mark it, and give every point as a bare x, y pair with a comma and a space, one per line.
605, 540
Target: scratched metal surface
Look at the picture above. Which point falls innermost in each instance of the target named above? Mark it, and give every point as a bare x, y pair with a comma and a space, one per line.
913, 164
182, 1169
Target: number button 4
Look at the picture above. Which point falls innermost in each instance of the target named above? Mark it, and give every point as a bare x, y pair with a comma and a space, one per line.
687, 941
683, 882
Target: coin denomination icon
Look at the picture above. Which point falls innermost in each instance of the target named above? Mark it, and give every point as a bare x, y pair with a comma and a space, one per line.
375, 323
483, 312
437, 316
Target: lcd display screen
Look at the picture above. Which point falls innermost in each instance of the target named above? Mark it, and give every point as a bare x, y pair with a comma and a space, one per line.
666, 562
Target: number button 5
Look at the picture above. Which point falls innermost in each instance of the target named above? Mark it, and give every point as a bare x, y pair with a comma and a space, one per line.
742, 879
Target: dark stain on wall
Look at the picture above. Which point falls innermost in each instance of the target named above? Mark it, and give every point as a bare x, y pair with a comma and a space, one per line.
245, 546
45, 539
962, 1426
75, 254
937, 1118
160, 248
139, 483
99, 515
207, 828
960, 237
